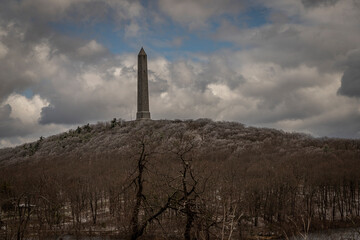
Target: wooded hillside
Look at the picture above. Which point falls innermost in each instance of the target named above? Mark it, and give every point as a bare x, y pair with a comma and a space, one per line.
180, 180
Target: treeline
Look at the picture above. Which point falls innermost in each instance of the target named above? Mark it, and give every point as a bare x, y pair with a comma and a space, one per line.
179, 180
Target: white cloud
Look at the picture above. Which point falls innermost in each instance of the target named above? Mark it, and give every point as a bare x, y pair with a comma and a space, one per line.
19, 120
222, 91
26, 110
91, 48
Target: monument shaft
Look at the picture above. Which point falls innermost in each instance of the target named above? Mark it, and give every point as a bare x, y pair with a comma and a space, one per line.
143, 91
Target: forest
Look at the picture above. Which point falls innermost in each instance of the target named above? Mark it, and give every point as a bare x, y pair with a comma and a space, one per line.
178, 179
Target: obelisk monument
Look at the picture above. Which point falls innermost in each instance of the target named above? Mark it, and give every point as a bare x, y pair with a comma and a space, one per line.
143, 91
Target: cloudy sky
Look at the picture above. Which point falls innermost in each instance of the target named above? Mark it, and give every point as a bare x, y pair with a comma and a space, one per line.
285, 64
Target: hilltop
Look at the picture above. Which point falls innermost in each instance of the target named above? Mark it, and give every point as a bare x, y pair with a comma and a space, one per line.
179, 179
109, 136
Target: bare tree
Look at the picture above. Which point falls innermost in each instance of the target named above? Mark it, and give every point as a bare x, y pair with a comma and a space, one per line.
147, 142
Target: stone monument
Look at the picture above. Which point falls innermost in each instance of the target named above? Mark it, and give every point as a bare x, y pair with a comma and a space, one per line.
143, 91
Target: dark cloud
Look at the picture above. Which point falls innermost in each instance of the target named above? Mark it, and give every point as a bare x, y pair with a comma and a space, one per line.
317, 3
87, 11
196, 14
340, 125
10, 126
291, 45
25, 25
350, 81
68, 114
5, 112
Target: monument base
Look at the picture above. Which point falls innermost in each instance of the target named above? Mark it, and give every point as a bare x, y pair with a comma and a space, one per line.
143, 115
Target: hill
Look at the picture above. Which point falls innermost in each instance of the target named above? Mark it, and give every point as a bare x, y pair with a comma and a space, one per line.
179, 179
109, 136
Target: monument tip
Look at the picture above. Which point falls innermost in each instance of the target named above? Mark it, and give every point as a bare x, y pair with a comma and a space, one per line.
142, 51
